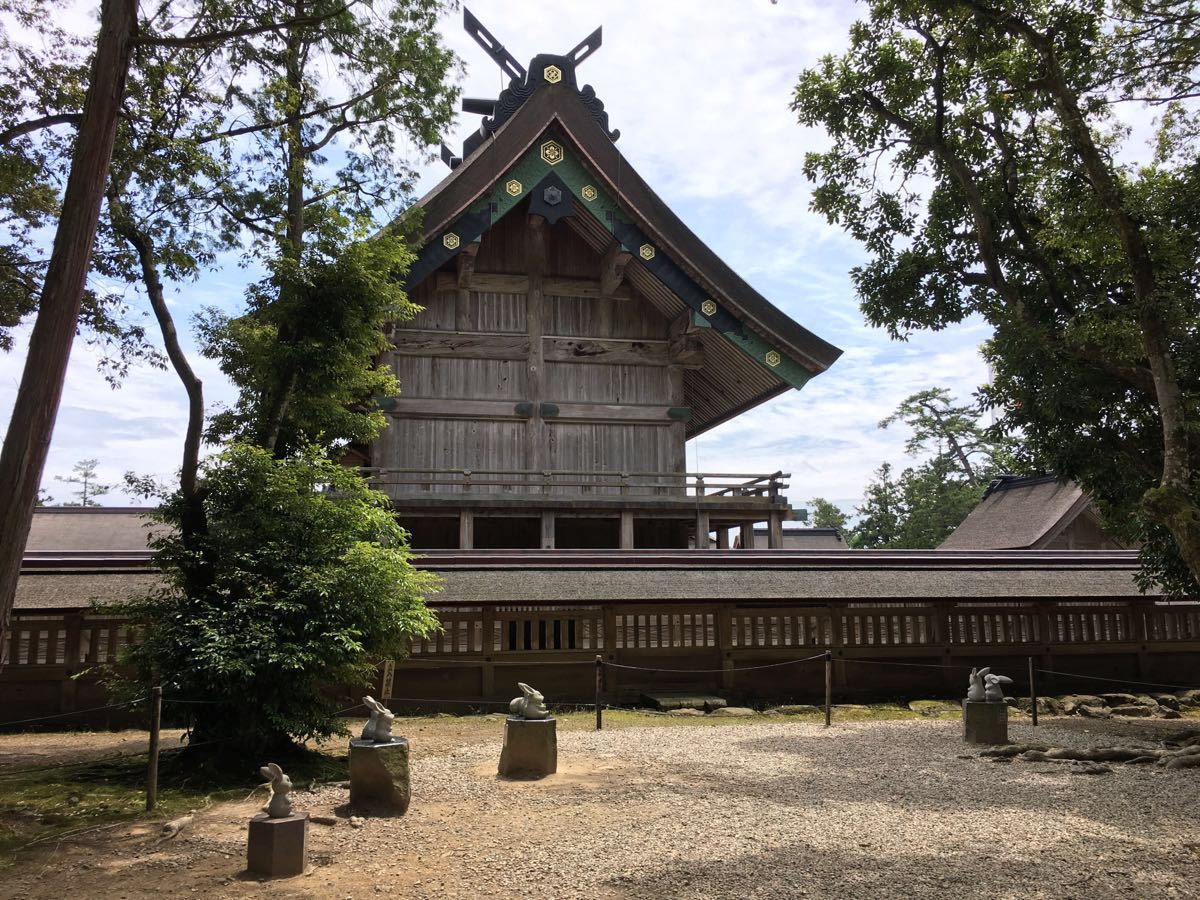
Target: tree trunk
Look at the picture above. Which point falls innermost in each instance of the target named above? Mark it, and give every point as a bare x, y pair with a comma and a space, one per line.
28, 439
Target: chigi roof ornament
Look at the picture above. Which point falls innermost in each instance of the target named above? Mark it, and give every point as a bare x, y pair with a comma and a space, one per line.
546, 69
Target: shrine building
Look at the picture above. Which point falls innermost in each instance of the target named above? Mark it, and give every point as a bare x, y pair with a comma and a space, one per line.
575, 335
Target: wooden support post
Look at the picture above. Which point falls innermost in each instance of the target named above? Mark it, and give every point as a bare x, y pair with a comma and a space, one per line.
599, 691
612, 269
535, 263
722, 538
747, 535
548, 530
155, 726
626, 530
465, 260
701, 529
1032, 693
466, 530
775, 531
828, 687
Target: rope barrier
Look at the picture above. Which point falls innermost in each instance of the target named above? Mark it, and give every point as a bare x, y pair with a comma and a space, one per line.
1174, 687
878, 662
790, 662
74, 712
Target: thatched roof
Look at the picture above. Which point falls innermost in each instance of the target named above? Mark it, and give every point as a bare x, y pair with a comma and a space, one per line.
92, 528
1019, 513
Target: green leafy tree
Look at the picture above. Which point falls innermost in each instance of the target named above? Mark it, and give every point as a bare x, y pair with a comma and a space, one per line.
826, 514
928, 501
301, 581
85, 477
881, 513
973, 153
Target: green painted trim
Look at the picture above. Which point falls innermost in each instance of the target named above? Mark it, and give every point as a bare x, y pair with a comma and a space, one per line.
532, 168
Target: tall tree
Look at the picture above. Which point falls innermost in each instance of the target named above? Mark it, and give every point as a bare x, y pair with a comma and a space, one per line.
89, 487
826, 514
973, 152
880, 515
27, 441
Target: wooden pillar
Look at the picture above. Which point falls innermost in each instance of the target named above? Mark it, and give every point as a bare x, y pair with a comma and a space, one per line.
747, 535
722, 538
626, 530
678, 429
775, 531
465, 262
535, 266
702, 529
466, 530
547, 530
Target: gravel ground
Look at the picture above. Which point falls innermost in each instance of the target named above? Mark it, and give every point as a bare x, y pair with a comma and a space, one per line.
756, 810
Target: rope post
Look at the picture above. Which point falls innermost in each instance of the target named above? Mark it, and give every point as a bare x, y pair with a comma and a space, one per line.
828, 686
152, 770
599, 687
1032, 693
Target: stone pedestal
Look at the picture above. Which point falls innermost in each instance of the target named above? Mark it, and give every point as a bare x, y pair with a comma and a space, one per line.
984, 722
530, 748
379, 780
277, 848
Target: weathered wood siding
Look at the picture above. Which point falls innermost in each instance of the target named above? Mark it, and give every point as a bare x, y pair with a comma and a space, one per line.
586, 386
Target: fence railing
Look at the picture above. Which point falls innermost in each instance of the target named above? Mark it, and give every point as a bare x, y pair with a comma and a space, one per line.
710, 485
477, 631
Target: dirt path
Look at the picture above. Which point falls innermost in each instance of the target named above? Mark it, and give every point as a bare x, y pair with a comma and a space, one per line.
763, 810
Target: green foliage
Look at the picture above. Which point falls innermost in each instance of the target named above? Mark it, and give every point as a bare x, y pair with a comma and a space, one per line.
85, 477
881, 513
826, 514
928, 501
301, 581
973, 152
319, 325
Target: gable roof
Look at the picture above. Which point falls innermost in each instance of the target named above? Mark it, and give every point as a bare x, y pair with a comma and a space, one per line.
552, 134
1019, 513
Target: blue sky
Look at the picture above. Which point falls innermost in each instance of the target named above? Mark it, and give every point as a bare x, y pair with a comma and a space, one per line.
700, 92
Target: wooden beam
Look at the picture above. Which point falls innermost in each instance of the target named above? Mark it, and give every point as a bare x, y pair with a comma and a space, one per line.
612, 268
615, 412
547, 529
501, 283
701, 529
466, 530
610, 352
441, 408
461, 344
687, 351
466, 264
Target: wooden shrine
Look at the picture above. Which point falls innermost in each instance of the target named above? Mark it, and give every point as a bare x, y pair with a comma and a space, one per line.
575, 335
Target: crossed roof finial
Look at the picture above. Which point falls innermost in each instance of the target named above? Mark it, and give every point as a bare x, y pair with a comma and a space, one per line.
546, 69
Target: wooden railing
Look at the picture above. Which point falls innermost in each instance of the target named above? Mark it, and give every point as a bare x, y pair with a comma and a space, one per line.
712, 485
476, 642
499, 630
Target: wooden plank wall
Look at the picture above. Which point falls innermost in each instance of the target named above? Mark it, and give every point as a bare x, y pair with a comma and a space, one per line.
473, 355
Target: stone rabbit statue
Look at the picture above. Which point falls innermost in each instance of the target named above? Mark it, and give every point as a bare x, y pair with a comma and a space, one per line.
975, 686
985, 687
379, 723
993, 693
532, 705
280, 806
